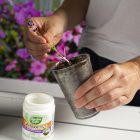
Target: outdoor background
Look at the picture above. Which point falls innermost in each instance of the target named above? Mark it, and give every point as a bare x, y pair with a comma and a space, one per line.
15, 62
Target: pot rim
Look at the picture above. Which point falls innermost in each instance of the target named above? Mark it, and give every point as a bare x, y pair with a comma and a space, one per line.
73, 66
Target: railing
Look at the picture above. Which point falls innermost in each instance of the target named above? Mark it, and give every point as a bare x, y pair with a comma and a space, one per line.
44, 5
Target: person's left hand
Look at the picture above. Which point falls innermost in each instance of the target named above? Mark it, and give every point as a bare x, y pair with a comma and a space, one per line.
110, 87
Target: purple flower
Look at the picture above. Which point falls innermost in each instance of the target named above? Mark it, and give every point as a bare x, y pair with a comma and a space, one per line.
2, 34
23, 77
20, 19
64, 50
11, 65
76, 39
2, 1
72, 55
78, 29
53, 58
37, 68
17, 7
67, 36
22, 53
24, 11
39, 79
10, 2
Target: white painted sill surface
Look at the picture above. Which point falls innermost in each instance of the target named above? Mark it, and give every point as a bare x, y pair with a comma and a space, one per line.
11, 130
120, 123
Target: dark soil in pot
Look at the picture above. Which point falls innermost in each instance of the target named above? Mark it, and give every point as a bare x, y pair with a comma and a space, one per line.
72, 61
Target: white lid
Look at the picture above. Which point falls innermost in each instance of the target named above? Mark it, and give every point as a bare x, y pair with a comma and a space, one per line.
38, 101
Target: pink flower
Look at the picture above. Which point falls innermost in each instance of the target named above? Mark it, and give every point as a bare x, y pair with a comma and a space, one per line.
63, 49
53, 58
22, 53
23, 77
24, 11
20, 19
37, 68
2, 34
76, 39
72, 55
67, 36
78, 29
2, 1
39, 79
11, 65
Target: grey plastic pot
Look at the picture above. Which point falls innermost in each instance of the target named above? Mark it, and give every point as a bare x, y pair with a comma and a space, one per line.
70, 78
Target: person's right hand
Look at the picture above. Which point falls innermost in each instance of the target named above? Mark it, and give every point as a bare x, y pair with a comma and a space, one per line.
50, 31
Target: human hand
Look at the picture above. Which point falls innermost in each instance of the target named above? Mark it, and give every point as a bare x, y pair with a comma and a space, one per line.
49, 32
110, 87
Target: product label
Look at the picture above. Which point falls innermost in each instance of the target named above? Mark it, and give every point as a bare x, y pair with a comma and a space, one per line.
37, 127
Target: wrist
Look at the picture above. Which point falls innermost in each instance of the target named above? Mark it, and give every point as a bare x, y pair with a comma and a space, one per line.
61, 16
135, 64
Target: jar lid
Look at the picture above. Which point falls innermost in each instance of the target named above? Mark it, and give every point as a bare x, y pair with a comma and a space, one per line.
38, 101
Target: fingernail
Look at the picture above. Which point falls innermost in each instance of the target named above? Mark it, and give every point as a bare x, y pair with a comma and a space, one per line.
30, 23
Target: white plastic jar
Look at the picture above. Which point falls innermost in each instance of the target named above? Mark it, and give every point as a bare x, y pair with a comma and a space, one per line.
38, 116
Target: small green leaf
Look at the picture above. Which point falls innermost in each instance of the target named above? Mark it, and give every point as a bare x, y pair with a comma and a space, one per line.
54, 48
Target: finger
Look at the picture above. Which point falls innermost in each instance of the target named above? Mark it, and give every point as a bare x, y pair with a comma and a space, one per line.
36, 47
105, 99
118, 102
37, 53
97, 92
52, 32
93, 81
33, 36
40, 57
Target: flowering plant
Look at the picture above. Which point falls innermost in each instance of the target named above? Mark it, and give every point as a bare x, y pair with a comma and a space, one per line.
15, 62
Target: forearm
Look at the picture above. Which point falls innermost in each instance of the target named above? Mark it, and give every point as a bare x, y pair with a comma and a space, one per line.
72, 12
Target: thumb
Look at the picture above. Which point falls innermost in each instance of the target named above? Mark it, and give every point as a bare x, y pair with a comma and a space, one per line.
53, 33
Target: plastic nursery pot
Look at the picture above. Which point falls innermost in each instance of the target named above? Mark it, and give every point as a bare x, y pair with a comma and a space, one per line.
70, 77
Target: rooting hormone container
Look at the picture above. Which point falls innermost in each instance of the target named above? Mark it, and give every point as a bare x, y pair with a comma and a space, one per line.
38, 117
